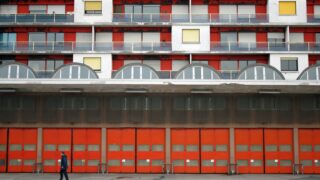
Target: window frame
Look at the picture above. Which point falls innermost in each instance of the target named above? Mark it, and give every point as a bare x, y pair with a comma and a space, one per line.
92, 12
283, 4
184, 41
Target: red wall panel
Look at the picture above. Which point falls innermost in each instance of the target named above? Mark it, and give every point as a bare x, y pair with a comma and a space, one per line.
61, 140
150, 160
3, 148
218, 157
185, 150
22, 159
252, 139
166, 9
213, 9
310, 158
261, 9
23, 9
166, 65
309, 37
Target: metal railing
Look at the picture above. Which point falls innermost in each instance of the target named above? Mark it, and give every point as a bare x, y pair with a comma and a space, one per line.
36, 18
21, 46
195, 18
151, 18
264, 46
313, 18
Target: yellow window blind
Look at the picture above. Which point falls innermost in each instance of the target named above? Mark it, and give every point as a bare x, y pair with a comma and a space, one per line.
287, 8
191, 36
93, 62
93, 6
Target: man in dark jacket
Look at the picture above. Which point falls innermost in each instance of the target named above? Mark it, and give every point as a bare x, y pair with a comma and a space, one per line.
64, 166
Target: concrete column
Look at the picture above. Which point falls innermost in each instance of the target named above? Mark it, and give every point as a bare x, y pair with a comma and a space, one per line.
103, 145
93, 37
232, 148
296, 145
287, 34
190, 9
39, 146
168, 145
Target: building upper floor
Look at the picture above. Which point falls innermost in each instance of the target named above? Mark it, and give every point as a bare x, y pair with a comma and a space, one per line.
160, 12
178, 39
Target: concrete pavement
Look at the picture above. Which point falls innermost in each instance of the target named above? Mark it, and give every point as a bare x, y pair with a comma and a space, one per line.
156, 177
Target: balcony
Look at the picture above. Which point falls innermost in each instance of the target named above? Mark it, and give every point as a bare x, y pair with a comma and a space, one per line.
313, 18
120, 47
36, 18
195, 18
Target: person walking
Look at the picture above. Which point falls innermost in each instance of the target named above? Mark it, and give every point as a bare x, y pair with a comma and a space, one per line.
64, 166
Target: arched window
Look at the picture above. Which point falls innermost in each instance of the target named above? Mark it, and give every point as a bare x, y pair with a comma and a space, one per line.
310, 73
136, 71
16, 71
75, 71
260, 72
198, 71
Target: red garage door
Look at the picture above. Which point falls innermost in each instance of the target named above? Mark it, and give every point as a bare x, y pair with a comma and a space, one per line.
278, 150
22, 150
185, 150
3, 149
121, 150
309, 150
249, 150
86, 150
55, 141
150, 150
214, 150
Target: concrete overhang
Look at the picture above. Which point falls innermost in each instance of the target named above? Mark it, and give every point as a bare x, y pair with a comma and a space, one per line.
162, 86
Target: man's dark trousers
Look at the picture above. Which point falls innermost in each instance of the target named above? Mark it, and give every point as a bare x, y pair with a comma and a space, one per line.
63, 172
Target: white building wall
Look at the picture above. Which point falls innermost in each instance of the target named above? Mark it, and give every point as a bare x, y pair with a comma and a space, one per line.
300, 17
303, 63
106, 63
177, 44
106, 16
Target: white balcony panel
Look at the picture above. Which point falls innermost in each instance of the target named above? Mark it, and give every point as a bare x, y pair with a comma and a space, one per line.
247, 37
106, 63
151, 37
317, 9
299, 17
199, 9
246, 9
303, 63
125, 62
296, 37
228, 9
180, 9
132, 37
103, 37
275, 35
83, 37
8, 9
56, 9
155, 64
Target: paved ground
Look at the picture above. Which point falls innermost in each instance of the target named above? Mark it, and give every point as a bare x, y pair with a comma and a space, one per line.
155, 177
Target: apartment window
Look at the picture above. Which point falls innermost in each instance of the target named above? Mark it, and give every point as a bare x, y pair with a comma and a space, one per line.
93, 62
93, 7
142, 9
191, 36
287, 8
289, 64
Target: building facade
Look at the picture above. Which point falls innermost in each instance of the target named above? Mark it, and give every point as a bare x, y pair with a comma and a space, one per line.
154, 86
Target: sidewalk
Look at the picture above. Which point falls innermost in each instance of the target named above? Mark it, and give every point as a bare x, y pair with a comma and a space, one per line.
157, 177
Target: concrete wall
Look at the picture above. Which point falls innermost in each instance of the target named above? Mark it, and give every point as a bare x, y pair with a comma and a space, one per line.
106, 16
300, 17
177, 44
106, 63
303, 63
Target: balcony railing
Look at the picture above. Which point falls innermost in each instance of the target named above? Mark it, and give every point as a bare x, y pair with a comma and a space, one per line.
150, 18
84, 46
153, 46
195, 18
264, 46
313, 18
36, 18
